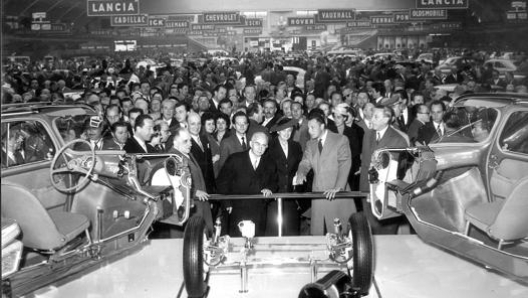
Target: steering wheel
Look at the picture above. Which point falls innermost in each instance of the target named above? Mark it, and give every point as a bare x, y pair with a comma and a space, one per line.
68, 160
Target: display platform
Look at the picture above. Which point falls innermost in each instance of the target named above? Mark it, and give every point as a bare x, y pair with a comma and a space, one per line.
404, 267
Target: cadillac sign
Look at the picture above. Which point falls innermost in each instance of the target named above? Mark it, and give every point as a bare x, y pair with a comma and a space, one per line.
111, 8
442, 4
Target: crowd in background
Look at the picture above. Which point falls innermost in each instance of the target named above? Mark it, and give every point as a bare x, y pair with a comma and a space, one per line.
212, 109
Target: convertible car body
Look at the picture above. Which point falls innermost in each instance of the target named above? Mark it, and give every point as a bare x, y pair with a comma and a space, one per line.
65, 209
467, 193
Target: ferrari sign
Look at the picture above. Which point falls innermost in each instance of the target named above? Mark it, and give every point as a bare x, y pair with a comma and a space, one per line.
111, 8
442, 4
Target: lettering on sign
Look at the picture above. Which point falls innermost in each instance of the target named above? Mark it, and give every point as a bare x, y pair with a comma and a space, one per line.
176, 24
446, 26
139, 20
207, 27
335, 15
319, 27
111, 8
300, 21
222, 17
401, 17
252, 22
379, 20
156, 22
359, 24
252, 31
442, 4
428, 14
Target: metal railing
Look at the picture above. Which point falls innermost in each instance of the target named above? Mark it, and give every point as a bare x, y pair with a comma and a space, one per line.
289, 195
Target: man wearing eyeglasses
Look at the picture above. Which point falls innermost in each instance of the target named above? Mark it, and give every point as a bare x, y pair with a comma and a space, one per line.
248, 172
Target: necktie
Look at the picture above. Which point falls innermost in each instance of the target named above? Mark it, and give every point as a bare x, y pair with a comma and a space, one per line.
199, 143
378, 137
244, 145
255, 164
439, 130
320, 145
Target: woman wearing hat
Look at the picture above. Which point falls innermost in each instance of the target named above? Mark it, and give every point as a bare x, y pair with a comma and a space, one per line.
287, 155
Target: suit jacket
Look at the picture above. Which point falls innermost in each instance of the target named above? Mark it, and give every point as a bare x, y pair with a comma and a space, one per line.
205, 161
132, 146
413, 130
202, 208
237, 176
253, 128
272, 122
427, 133
286, 166
212, 108
111, 144
229, 146
331, 166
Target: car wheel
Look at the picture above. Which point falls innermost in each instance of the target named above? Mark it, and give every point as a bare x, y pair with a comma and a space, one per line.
362, 252
194, 268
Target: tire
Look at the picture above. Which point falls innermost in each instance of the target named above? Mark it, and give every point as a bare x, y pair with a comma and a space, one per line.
362, 252
193, 257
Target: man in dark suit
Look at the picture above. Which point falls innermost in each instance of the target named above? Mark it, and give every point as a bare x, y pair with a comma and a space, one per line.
248, 172
255, 115
143, 130
454, 77
270, 114
119, 132
182, 147
384, 136
422, 117
201, 151
287, 155
237, 140
434, 129
219, 93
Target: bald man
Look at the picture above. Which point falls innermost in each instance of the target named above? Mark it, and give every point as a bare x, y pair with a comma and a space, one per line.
248, 172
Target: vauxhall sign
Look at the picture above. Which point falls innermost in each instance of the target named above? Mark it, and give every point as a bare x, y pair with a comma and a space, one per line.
335, 15
442, 4
112, 7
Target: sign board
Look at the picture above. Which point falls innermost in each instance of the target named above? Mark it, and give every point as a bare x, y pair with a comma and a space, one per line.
335, 15
516, 16
359, 24
156, 22
178, 30
401, 17
445, 26
39, 15
252, 31
204, 27
319, 27
188, 18
252, 22
300, 21
176, 24
382, 19
253, 43
209, 34
442, 4
112, 8
228, 17
221, 29
139, 20
195, 32
428, 14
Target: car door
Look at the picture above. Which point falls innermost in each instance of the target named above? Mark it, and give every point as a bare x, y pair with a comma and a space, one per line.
36, 148
507, 162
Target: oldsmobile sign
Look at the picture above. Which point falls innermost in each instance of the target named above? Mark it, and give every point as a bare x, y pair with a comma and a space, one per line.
112, 8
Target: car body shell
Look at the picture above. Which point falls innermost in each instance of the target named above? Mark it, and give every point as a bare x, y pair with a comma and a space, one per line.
448, 179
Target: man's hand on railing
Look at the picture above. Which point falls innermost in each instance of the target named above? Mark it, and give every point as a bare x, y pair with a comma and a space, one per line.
266, 192
330, 194
299, 179
202, 195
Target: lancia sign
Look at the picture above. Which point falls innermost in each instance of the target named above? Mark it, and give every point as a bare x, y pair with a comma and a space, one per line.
111, 8
442, 4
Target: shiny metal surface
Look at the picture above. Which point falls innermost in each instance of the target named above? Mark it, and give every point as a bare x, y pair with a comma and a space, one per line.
405, 267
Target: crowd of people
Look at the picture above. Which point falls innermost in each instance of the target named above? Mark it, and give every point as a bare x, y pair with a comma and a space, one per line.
247, 127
